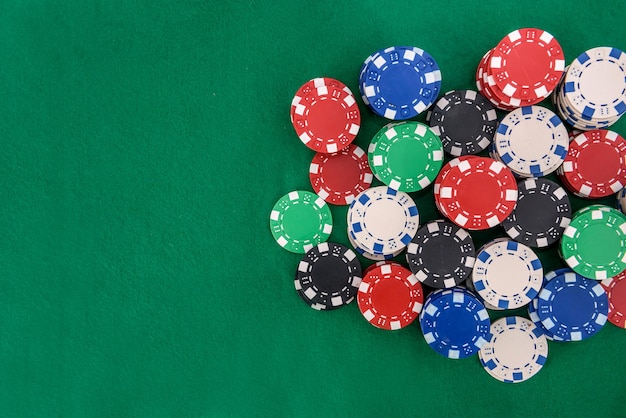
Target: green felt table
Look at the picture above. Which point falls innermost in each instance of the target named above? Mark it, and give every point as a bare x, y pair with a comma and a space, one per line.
143, 145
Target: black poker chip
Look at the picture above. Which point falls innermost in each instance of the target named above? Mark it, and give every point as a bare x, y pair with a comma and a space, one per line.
328, 276
542, 213
465, 121
441, 255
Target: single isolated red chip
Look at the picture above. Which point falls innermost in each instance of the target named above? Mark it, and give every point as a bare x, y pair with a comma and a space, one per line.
595, 164
390, 297
527, 64
615, 288
478, 193
325, 115
338, 178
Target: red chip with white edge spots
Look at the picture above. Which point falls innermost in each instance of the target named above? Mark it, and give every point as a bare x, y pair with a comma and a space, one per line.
338, 178
325, 115
390, 297
478, 193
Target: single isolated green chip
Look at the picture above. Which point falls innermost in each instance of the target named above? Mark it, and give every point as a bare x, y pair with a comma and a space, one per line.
300, 220
406, 156
594, 243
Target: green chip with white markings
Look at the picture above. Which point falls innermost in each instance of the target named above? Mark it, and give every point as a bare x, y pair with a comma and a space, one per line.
594, 243
406, 156
300, 220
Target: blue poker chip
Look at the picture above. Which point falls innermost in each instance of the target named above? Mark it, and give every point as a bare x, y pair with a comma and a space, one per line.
454, 323
572, 307
400, 82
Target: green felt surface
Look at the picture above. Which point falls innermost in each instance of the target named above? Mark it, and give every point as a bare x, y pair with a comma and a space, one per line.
143, 144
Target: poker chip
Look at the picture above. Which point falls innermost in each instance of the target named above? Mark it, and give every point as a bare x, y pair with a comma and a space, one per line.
542, 213
472, 193
572, 307
527, 64
595, 165
328, 276
383, 220
406, 156
338, 178
441, 255
465, 121
476, 193
516, 352
367, 254
300, 220
521, 70
592, 93
454, 323
400, 82
390, 297
325, 115
488, 88
615, 288
594, 243
507, 274
532, 141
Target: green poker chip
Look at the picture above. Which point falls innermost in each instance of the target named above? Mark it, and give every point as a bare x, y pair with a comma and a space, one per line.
594, 243
406, 156
300, 220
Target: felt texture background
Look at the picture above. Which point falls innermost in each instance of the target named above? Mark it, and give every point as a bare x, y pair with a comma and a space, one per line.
143, 144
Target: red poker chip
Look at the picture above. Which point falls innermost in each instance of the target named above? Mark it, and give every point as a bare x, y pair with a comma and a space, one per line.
338, 178
390, 297
595, 164
527, 64
478, 193
325, 115
615, 288
442, 174
491, 90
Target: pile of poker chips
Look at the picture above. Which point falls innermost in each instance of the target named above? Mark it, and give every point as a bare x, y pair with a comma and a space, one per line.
595, 164
521, 70
591, 95
447, 284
